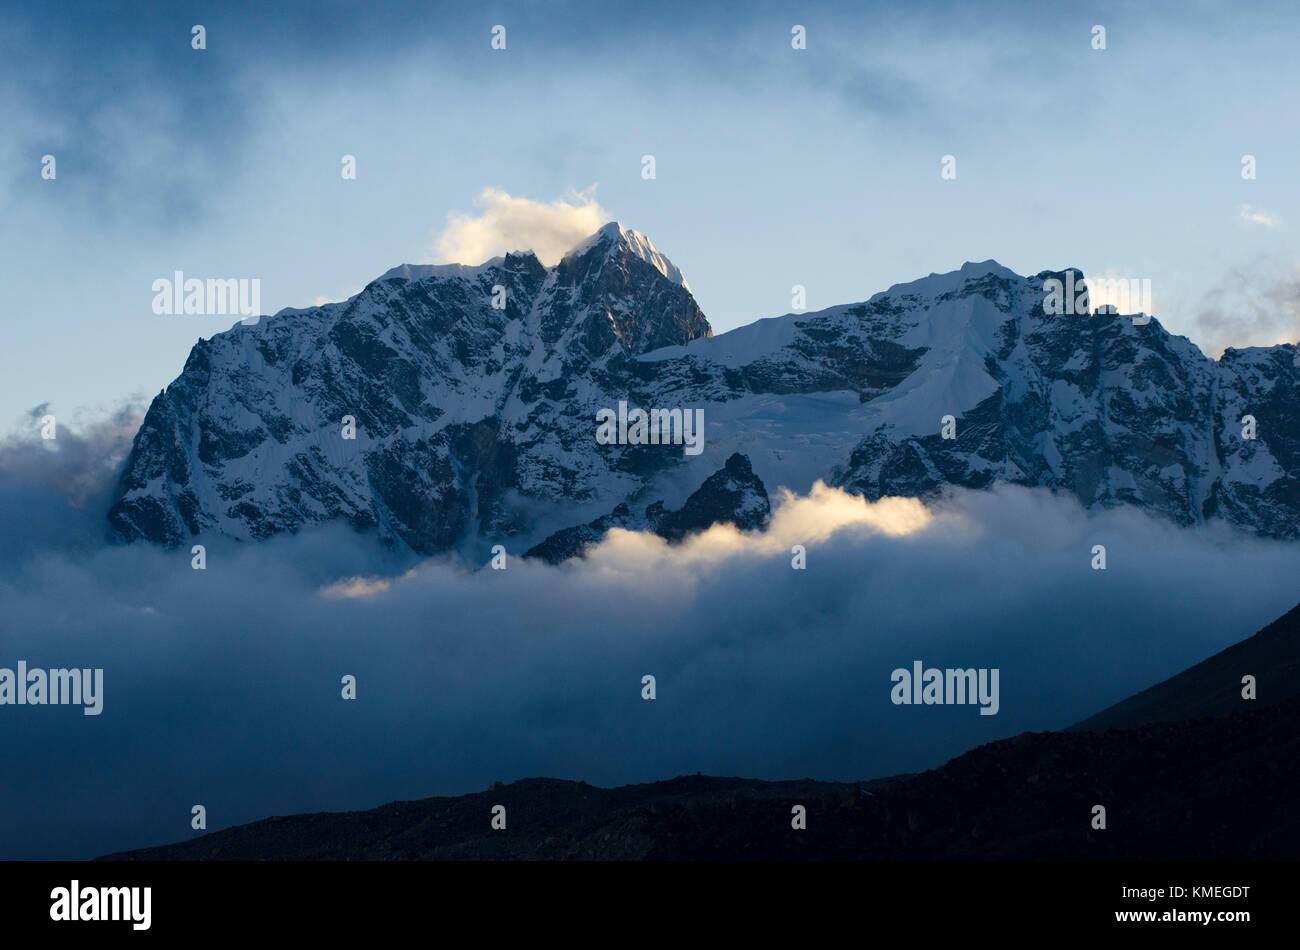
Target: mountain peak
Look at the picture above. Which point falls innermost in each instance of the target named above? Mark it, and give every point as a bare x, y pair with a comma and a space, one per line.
935, 284
613, 235
990, 266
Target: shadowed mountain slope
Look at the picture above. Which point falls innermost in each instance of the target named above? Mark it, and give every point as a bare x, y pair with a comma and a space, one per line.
1219, 787
1213, 687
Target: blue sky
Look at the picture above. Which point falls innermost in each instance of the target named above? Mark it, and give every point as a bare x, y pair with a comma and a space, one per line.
774, 167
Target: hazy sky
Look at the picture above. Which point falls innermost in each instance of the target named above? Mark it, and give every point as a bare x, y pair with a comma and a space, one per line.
774, 166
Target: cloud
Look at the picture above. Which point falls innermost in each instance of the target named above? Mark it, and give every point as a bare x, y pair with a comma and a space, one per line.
506, 223
323, 300
81, 462
796, 519
359, 586
1253, 215
222, 686
1255, 306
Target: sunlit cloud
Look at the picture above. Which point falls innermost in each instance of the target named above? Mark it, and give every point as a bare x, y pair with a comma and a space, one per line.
505, 223
806, 520
796, 519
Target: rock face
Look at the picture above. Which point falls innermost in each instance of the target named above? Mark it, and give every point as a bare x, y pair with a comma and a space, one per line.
468, 418
733, 494
476, 425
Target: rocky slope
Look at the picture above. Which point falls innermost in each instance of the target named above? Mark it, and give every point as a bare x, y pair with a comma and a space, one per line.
476, 425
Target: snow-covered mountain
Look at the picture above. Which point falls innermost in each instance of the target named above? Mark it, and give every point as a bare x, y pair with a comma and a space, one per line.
474, 394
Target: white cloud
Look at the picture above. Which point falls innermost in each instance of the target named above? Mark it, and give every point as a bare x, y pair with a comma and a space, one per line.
1252, 215
796, 519
323, 300
506, 223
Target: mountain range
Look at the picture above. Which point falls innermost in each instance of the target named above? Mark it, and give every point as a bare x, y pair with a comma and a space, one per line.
472, 395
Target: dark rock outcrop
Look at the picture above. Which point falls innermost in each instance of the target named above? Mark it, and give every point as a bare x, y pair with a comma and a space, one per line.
732, 495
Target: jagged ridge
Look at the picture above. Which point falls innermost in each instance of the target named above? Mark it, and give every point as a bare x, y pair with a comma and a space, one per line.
476, 425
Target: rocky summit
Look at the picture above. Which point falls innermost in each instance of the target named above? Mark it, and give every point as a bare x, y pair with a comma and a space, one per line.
449, 407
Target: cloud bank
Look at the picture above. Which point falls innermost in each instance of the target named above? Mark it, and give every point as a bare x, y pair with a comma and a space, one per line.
222, 687
505, 223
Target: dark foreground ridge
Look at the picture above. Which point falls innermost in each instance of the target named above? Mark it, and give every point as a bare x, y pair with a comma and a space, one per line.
1213, 687
1217, 788
1186, 770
